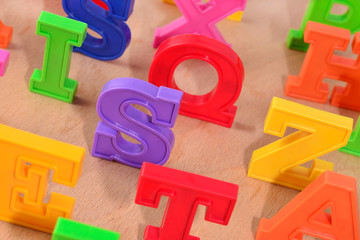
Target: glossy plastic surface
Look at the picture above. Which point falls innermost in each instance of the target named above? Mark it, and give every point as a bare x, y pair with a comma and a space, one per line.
185, 191
199, 18
62, 34
4, 61
235, 16
107, 18
119, 117
5, 35
26, 161
216, 106
322, 12
70, 230
321, 62
319, 133
353, 146
327, 209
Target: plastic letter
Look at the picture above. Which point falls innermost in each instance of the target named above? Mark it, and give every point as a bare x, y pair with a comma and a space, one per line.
5, 35
235, 17
4, 61
101, 4
319, 133
306, 213
353, 146
107, 19
320, 62
26, 161
199, 18
217, 105
320, 11
61, 33
118, 116
185, 191
70, 230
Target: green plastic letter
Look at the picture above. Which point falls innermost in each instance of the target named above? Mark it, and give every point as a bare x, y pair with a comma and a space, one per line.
62, 34
353, 146
66, 229
320, 11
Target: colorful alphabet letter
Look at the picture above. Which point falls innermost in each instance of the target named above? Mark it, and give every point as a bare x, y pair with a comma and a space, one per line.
101, 4
118, 116
326, 209
321, 12
235, 17
320, 62
217, 105
353, 146
62, 34
66, 229
26, 161
4, 61
107, 18
185, 191
5, 35
200, 18
319, 132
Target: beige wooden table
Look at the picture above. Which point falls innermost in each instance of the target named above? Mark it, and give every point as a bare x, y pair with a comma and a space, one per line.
106, 190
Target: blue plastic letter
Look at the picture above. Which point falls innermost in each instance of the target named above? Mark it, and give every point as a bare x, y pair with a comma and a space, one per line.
110, 25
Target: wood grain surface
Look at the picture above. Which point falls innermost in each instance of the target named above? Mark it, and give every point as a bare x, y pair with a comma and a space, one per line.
106, 190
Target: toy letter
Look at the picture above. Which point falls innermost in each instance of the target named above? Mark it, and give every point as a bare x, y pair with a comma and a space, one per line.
107, 18
319, 132
62, 34
118, 116
185, 191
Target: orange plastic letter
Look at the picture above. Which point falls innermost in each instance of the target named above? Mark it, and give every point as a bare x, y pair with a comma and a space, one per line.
320, 62
5, 35
307, 212
319, 133
26, 161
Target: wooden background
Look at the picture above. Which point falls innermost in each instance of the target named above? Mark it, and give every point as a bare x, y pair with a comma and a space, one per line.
106, 190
